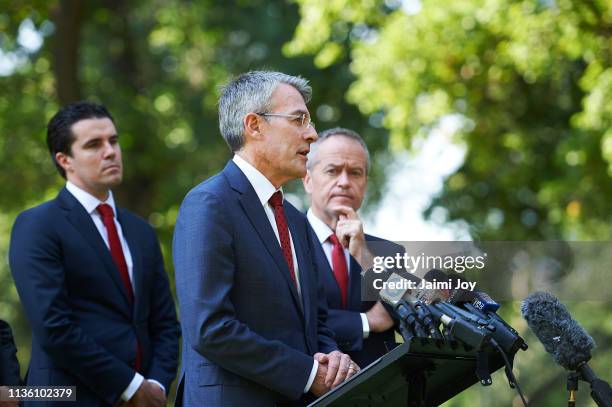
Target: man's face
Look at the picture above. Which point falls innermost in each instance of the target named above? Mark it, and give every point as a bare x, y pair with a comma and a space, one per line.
94, 164
338, 176
282, 155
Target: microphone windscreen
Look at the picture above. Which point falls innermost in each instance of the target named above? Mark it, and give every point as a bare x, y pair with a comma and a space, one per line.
562, 337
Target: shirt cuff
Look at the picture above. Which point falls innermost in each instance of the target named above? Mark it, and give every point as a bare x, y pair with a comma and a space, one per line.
366, 325
313, 374
133, 386
159, 384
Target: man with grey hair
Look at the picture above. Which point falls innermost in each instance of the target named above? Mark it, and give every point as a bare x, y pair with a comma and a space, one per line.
336, 180
253, 312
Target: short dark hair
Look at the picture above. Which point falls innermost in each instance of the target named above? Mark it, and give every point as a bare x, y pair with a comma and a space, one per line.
59, 129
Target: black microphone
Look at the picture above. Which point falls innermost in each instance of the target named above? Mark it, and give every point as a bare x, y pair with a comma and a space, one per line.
567, 342
483, 306
427, 320
475, 336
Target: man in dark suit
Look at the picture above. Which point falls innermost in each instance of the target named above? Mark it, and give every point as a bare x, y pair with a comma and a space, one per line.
91, 277
336, 181
254, 330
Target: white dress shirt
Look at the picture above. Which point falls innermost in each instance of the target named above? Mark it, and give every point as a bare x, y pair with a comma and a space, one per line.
90, 203
264, 190
323, 233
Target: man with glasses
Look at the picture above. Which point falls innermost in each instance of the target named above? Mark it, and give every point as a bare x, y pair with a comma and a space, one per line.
253, 314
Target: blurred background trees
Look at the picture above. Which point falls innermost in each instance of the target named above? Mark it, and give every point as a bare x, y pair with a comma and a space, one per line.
527, 85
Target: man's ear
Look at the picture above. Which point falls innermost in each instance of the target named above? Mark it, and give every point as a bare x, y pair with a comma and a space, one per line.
252, 125
307, 181
64, 161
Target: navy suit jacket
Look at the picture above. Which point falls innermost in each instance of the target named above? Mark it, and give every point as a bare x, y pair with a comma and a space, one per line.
248, 337
346, 322
85, 331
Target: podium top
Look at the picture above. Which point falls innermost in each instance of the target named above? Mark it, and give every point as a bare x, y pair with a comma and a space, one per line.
416, 373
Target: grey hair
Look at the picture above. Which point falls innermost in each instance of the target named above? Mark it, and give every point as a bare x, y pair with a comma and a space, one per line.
251, 92
336, 131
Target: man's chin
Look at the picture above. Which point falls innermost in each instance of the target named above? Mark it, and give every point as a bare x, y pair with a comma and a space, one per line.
114, 181
341, 201
299, 171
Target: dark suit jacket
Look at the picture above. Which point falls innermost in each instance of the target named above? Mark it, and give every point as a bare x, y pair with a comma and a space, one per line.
346, 322
85, 331
248, 337
9, 365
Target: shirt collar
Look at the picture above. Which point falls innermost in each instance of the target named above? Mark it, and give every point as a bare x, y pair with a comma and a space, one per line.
90, 202
321, 229
262, 186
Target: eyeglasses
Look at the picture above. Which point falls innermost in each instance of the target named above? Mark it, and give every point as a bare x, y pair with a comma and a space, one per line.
300, 120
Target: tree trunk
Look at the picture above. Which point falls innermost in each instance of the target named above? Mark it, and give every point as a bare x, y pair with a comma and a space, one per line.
67, 17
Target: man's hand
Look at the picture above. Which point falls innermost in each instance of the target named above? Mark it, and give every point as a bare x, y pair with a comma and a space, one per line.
349, 230
318, 387
339, 367
378, 318
4, 394
148, 394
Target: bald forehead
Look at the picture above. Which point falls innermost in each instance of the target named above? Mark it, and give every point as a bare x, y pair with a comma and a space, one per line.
339, 147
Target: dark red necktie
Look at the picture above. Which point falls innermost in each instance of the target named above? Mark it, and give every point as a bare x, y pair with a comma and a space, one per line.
339, 267
276, 202
107, 214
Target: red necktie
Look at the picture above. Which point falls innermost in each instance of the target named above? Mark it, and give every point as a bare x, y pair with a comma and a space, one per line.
276, 202
339, 267
107, 214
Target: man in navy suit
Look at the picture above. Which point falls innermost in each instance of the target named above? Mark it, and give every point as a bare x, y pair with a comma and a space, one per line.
336, 181
254, 331
91, 276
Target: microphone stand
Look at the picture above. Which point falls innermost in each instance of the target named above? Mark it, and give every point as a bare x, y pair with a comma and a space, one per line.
600, 389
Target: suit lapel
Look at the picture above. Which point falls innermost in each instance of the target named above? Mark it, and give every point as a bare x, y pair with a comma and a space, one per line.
304, 269
255, 212
137, 271
82, 222
354, 289
325, 270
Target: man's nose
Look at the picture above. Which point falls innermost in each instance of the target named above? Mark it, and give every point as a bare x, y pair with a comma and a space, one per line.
110, 150
311, 135
343, 179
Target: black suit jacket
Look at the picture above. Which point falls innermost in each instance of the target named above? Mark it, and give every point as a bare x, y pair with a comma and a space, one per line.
9, 365
85, 331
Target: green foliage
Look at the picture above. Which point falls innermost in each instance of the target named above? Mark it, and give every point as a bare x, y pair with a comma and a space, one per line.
531, 80
157, 65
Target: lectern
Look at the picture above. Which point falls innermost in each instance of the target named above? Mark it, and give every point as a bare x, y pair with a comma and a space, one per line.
418, 373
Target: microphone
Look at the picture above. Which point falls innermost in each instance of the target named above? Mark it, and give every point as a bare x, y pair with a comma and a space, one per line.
483, 311
567, 342
479, 299
562, 337
474, 336
397, 288
427, 320
484, 302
